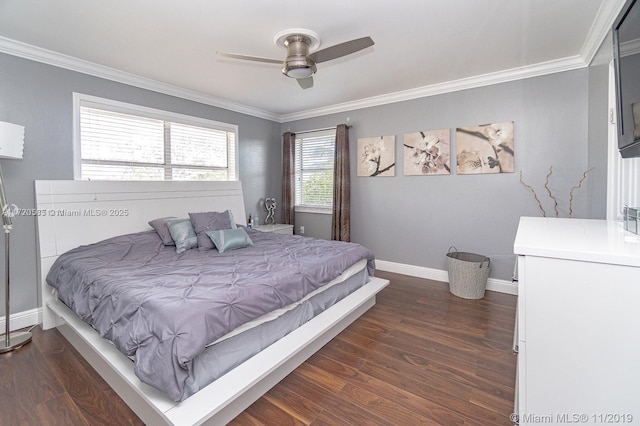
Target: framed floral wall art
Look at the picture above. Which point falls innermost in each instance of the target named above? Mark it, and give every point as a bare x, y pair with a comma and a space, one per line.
485, 148
427, 153
377, 156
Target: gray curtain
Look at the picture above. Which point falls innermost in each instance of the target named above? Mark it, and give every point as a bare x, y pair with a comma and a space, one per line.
288, 215
341, 217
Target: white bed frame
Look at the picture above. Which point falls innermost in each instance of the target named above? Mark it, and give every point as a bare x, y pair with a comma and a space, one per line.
73, 213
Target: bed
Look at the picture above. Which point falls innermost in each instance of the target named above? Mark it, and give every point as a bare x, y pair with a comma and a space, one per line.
76, 213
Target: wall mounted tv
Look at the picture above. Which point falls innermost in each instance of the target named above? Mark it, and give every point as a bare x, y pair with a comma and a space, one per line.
626, 51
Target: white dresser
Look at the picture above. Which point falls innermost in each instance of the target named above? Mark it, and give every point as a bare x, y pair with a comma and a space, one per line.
278, 228
578, 322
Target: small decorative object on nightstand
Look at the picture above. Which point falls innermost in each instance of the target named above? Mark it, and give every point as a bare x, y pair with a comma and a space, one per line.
270, 207
276, 228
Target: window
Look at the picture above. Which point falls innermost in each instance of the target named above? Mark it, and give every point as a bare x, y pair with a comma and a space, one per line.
314, 154
117, 141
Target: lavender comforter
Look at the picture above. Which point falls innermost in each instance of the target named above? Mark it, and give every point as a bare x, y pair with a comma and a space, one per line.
163, 308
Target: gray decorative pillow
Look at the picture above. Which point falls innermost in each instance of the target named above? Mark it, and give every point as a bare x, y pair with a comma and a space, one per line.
161, 227
210, 221
182, 233
230, 239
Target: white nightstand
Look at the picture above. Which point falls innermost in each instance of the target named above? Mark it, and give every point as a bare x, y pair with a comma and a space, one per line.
277, 228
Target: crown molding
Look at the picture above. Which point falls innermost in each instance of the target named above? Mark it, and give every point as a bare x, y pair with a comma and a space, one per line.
601, 27
27, 51
630, 48
536, 70
607, 14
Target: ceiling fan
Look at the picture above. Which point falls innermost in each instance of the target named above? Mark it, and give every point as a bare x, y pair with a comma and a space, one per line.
299, 63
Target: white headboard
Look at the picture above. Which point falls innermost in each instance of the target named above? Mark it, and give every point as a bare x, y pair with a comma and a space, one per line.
72, 213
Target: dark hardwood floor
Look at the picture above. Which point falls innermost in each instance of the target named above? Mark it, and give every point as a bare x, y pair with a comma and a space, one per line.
420, 356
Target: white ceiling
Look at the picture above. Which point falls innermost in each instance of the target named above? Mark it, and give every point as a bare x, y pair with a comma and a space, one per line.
421, 47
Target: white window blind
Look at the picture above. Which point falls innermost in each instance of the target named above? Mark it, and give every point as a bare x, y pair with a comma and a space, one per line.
123, 142
314, 159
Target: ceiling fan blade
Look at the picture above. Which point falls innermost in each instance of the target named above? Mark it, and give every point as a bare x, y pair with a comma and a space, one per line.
342, 49
306, 82
249, 58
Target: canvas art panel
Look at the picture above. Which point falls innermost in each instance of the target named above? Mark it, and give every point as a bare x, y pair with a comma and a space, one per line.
377, 156
427, 152
485, 148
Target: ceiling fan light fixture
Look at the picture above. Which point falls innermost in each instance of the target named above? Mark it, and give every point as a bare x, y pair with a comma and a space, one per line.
299, 72
299, 68
298, 64
301, 59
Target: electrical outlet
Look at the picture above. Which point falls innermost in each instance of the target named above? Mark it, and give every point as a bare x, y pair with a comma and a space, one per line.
302, 229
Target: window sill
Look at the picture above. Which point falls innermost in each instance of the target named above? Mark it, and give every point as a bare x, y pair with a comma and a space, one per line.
317, 210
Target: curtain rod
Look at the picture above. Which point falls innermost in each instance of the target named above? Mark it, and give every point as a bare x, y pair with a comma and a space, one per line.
302, 132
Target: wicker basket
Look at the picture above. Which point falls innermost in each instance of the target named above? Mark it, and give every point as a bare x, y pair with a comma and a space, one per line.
468, 273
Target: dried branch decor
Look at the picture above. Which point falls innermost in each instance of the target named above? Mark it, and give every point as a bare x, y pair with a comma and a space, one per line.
551, 195
535, 195
546, 185
579, 185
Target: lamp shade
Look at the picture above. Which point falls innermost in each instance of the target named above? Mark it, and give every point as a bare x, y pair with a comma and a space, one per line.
11, 140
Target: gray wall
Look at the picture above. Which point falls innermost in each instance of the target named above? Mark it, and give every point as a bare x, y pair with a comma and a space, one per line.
415, 219
410, 220
39, 97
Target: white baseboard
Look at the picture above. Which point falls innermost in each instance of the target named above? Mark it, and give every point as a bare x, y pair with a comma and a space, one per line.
22, 319
493, 284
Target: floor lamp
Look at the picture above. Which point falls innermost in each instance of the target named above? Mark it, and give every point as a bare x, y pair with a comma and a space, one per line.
11, 145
